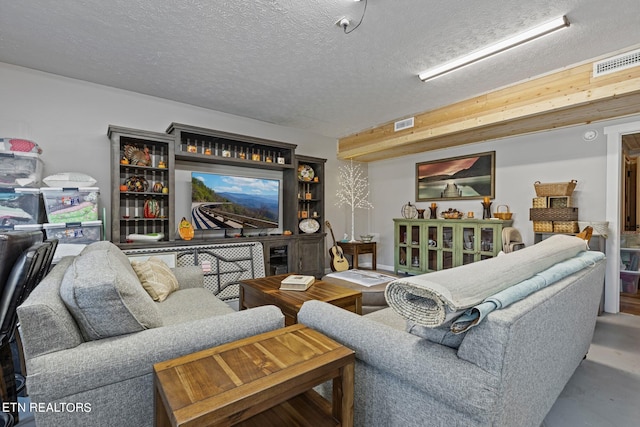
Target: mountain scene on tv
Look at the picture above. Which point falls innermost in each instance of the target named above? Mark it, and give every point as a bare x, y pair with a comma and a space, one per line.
225, 201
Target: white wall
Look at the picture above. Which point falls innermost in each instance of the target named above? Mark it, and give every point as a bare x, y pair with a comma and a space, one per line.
69, 120
553, 156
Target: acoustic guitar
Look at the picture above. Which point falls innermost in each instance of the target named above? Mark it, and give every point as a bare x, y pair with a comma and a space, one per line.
338, 260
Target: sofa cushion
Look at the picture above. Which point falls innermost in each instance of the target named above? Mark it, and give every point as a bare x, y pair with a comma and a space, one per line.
187, 305
104, 295
156, 278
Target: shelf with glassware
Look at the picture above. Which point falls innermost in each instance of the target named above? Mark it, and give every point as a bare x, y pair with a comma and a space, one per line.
425, 245
195, 144
142, 186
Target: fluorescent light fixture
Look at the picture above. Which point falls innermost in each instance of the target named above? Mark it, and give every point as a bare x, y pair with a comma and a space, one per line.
534, 33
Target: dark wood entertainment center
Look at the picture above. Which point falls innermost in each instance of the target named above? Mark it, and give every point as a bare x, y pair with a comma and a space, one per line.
143, 191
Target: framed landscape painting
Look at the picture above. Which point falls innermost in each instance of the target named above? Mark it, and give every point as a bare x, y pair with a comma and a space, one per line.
456, 178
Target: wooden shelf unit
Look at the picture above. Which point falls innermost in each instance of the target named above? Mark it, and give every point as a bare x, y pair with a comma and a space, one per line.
305, 252
127, 207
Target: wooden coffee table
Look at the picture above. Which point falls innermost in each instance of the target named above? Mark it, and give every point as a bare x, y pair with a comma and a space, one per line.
265, 291
259, 381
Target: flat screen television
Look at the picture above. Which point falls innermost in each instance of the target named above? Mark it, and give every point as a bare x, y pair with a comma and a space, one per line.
224, 201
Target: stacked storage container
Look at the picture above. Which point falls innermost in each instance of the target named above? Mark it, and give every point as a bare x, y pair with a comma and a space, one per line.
20, 175
553, 210
72, 214
629, 263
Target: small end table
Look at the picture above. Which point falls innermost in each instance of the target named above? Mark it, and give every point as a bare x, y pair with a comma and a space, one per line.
356, 249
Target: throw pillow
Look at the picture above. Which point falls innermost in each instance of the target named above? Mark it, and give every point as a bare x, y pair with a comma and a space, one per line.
69, 180
156, 278
19, 144
104, 295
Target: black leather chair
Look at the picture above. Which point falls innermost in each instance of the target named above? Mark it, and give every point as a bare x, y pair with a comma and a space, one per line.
12, 245
29, 268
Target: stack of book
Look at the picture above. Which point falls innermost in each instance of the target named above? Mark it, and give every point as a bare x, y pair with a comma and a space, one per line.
297, 282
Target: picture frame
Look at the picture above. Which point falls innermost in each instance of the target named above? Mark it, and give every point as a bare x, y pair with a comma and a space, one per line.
457, 178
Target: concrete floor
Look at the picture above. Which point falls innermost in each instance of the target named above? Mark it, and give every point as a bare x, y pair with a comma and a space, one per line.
605, 389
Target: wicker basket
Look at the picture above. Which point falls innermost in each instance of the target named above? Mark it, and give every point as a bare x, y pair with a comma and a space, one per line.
502, 215
560, 202
553, 214
555, 189
540, 202
565, 226
543, 226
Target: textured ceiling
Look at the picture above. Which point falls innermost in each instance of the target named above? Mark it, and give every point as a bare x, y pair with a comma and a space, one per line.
286, 62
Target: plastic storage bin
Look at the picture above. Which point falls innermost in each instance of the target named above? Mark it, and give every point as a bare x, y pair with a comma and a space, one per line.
629, 282
19, 206
28, 227
65, 205
19, 169
79, 233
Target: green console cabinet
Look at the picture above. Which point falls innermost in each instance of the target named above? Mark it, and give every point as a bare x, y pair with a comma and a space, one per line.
425, 245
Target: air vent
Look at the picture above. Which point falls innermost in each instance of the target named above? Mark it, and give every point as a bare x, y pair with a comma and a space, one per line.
403, 124
616, 63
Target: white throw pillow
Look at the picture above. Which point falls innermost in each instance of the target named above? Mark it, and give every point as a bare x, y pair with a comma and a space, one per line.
69, 180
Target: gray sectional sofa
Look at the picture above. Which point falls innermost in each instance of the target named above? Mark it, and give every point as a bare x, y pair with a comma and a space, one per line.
506, 371
90, 357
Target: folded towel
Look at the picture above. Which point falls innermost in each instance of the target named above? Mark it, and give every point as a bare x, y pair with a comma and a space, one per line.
434, 298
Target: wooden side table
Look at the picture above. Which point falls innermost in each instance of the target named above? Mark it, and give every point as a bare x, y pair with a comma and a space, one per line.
266, 291
356, 249
262, 380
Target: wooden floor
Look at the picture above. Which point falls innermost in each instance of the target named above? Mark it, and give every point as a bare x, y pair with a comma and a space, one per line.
630, 304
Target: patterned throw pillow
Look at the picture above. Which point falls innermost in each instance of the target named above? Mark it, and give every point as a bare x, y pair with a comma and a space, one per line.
19, 144
156, 278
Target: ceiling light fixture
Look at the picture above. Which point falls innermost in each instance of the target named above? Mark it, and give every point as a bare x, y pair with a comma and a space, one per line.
345, 23
532, 34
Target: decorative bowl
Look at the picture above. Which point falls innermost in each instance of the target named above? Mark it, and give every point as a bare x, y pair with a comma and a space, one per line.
366, 238
136, 183
452, 214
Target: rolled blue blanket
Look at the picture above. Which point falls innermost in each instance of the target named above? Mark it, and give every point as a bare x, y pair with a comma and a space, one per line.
559, 271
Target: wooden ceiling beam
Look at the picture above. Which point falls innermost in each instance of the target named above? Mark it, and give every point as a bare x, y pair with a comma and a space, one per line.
565, 98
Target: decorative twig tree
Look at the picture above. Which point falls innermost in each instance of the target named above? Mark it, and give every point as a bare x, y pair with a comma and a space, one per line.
353, 190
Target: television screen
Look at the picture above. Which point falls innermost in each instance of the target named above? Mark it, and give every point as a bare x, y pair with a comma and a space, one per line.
220, 201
